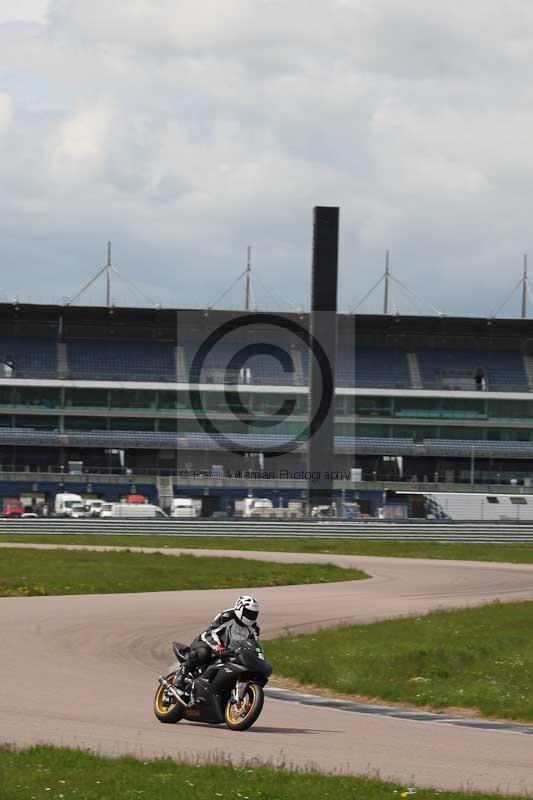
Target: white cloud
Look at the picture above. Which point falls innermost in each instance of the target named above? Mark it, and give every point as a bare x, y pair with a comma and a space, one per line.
7, 111
24, 11
79, 143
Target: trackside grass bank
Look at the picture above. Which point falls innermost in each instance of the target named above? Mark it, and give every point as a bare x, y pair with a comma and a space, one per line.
469, 551
476, 658
58, 773
44, 572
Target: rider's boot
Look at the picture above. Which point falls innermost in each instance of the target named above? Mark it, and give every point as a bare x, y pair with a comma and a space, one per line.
179, 680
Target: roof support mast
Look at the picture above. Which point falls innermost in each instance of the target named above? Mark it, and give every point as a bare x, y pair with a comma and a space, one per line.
108, 276
108, 269
524, 288
386, 276
248, 277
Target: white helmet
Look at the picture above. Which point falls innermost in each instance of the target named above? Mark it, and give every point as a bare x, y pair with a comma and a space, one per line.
246, 609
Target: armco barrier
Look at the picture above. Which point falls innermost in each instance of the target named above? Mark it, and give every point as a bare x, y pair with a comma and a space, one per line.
404, 531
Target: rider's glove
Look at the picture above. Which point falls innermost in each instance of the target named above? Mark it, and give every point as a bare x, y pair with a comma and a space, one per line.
218, 648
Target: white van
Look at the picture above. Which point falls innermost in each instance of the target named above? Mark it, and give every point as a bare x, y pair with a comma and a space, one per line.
184, 507
65, 502
106, 510
134, 511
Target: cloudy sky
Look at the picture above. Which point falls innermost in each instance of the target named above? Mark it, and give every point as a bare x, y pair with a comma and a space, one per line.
185, 131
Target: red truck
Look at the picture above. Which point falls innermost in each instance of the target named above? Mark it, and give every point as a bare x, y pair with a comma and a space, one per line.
12, 507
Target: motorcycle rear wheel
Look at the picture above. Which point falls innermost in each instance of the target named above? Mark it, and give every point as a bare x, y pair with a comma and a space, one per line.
241, 717
171, 713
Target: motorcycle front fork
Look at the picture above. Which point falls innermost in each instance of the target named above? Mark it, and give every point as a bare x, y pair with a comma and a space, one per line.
237, 695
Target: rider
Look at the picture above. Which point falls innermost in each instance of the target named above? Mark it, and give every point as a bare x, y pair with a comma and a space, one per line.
228, 629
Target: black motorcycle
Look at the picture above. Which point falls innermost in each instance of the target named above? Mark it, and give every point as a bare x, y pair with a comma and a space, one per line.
229, 690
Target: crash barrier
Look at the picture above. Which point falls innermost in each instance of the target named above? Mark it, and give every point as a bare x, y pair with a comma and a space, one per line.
371, 530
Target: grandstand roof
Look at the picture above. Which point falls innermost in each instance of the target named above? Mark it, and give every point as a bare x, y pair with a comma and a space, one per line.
90, 322
443, 331
80, 322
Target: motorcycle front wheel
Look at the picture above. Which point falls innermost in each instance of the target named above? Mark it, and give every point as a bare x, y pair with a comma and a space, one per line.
241, 716
166, 708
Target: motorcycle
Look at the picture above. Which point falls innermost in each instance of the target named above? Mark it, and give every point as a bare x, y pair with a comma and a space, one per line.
229, 690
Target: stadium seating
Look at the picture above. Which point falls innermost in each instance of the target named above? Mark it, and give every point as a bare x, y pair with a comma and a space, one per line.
134, 361
377, 367
456, 369
30, 357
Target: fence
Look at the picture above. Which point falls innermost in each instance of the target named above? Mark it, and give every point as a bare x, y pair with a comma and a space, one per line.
378, 531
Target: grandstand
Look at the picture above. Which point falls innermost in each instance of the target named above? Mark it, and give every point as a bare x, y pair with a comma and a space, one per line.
99, 399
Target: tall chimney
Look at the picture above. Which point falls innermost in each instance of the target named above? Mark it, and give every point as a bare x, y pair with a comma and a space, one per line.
320, 458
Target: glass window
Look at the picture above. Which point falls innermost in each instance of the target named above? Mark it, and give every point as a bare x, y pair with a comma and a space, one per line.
131, 424
7, 395
85, 423
345, 405
462, 408
168, 425
373, 406
270, 403
345, 429
460, 432
86, 398
518, 501
132, 398
372, 430
510, 409
493, 500
169, 400
416, 407
41, 397
509, 434
37, 423
166, 400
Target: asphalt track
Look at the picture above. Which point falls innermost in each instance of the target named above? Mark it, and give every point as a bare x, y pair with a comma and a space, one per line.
81, 671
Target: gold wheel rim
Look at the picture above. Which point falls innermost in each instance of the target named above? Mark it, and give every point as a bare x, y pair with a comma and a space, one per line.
233, 712
163, 709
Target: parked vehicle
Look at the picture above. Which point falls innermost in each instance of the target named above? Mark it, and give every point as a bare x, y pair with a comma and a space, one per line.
79, 511
253, 507
65, 502
94, 507
136, 498
12, 507
184, 508
135, 511
263, 508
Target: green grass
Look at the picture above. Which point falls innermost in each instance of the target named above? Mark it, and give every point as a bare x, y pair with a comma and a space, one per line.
476, 658
57, 773
26, 572
509, 553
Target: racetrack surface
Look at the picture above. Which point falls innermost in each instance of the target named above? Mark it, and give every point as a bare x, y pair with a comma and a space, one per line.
81, 671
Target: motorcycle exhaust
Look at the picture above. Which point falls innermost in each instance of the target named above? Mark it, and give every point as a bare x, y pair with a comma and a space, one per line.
168, 686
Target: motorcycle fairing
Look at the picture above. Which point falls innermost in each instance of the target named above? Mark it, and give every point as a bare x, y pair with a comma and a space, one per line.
208, 706
180, 650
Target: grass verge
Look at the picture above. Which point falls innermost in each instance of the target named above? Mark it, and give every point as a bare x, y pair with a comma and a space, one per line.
478, 658
58, 773
471, 551
43, 572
